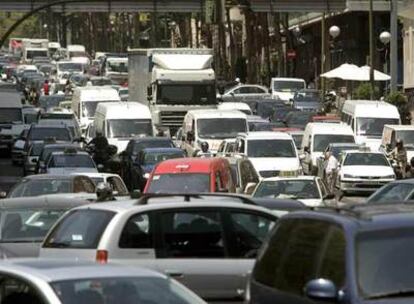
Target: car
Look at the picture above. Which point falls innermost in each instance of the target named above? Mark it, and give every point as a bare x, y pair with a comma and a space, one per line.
279, 206
47, 132
17, 151
392, 133
123, 93
117, 185
309, 190
26, 220
70, 161
354, 255
396, 191
191, 175
298, 119
209, 244
47, 150
266, 108
43, 184
67, 120
48, 102
32, 157
37, 281
244, 174
245, 90
226, 148
271, 153
361, 171
307, 100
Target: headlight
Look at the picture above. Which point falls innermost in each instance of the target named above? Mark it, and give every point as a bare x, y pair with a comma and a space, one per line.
146, 175
389, 176
349, 176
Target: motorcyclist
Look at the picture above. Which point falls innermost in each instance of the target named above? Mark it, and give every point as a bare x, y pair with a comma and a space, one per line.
399, 154
205, 152
101, 145
104, 192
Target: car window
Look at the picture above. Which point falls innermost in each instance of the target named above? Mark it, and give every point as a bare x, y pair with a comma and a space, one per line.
117, 185
137, 233
83, 184
79, 229
14, 290
192, 234
248, 233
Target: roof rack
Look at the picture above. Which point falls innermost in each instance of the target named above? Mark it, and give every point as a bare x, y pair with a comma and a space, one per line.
144, 200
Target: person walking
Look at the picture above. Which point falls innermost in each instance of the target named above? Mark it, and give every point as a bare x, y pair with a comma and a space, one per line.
331, 169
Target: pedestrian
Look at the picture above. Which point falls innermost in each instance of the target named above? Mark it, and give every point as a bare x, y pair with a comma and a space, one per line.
399, 154
331, 169
205, 151
46, 87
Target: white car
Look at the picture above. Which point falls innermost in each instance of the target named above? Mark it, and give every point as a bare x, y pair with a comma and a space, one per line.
271, 153
70, 161
119, 190
247, 90
362, 171
309, 190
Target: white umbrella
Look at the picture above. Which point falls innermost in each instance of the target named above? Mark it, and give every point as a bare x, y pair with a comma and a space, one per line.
378, 76
345, 72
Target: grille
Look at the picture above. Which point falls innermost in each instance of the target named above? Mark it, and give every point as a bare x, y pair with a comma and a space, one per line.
266, 174
172, 119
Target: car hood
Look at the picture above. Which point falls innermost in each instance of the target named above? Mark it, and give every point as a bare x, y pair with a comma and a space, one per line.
373, 143
367, 170
67, 170
271, 164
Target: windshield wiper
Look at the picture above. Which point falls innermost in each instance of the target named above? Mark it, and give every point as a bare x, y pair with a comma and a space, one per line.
58, 244
393, 294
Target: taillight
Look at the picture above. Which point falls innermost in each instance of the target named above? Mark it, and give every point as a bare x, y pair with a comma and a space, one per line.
102, 256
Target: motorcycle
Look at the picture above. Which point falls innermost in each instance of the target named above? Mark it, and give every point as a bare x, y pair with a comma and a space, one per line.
105, 160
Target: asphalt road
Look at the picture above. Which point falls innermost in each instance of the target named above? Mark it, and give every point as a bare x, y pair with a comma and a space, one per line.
9, 174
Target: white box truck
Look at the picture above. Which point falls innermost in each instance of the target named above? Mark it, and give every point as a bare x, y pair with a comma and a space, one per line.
32, 48
172, 82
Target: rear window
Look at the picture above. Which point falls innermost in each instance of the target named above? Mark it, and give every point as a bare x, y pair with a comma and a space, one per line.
81, 229
44, 133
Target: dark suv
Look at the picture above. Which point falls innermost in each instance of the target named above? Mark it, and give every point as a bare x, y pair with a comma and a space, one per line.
359, 255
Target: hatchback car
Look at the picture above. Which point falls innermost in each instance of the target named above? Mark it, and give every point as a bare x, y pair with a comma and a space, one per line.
209, 245
357, 255
70, 161
34, 281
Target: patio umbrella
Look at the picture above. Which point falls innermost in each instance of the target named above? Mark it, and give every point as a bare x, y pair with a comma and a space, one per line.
378, 76
345, 72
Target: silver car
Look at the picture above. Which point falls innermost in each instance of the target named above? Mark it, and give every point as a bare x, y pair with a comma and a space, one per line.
208, 244
38, 281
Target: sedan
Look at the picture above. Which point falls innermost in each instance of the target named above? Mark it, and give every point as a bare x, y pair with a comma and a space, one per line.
37, 281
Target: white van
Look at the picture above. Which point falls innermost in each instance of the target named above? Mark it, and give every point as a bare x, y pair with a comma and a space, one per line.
284, 88
317, 137
211, 126
392, 133
367, 119
86, 99
121, 121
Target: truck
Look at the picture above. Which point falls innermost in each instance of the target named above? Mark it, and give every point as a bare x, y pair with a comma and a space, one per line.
171, 82
115, 67
32, 48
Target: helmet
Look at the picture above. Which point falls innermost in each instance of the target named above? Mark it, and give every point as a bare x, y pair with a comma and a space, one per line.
204, 146
104, 192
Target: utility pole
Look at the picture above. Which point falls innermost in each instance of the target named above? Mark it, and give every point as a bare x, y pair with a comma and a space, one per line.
394, 45
371, 48
323, 52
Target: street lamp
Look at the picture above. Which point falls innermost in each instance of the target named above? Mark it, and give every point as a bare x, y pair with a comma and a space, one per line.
297, 31
385, 37
334, 31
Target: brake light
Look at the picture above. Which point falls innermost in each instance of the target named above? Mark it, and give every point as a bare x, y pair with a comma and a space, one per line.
102, 256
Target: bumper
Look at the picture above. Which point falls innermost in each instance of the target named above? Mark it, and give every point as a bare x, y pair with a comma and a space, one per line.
17, 156
363, 185
6, 144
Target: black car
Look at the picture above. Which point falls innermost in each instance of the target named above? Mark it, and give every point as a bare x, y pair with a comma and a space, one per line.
355, 255
298, 119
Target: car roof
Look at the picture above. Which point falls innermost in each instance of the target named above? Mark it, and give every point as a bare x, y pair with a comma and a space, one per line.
46, 202
45, 176
145, 139
266, 135
94, 174
400, 127
64, 153
61, 270
280, 178
53, 126
216, 113
155, 150
364, 217
330, 128
187, 165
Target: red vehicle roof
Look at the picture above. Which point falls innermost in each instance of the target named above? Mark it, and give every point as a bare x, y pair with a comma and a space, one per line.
187, 165
286, 129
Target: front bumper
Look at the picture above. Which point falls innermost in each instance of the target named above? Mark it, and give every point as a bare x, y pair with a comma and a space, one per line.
363, 185
6, 143
17, 156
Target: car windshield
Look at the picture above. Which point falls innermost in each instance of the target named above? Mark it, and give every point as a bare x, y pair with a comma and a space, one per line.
47, 102
271, 148
307, 96
299, 118
8, 115
62, 134
407, 136
186, 94
296, 189
128, 290
89, 107
365, 159
180, 183
33, 54
101, 82
385, 263
118, 66
394, 192
129, 127
28, 225
321, 141
337, 150
70, 67
155, 158
288, 86
71, 161
213, 128
373, 126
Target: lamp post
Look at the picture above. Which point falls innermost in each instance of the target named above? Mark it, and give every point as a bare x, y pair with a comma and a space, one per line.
334, 32
371, 47
385, 38
394, 45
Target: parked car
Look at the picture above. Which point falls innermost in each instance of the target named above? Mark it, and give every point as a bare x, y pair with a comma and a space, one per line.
355, 255
209, 245
35, 281
26, 220
191, 175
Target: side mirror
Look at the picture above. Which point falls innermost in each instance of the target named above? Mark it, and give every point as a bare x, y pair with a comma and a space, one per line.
249, 188
232, 94
3, 194
149, 92
136, 194
321, 290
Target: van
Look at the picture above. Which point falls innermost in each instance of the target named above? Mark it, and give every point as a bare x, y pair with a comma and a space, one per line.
11, 113
191, 175
367, 119
121, 121
85, 100
317, 137
211, 126
392, 133
284, 88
